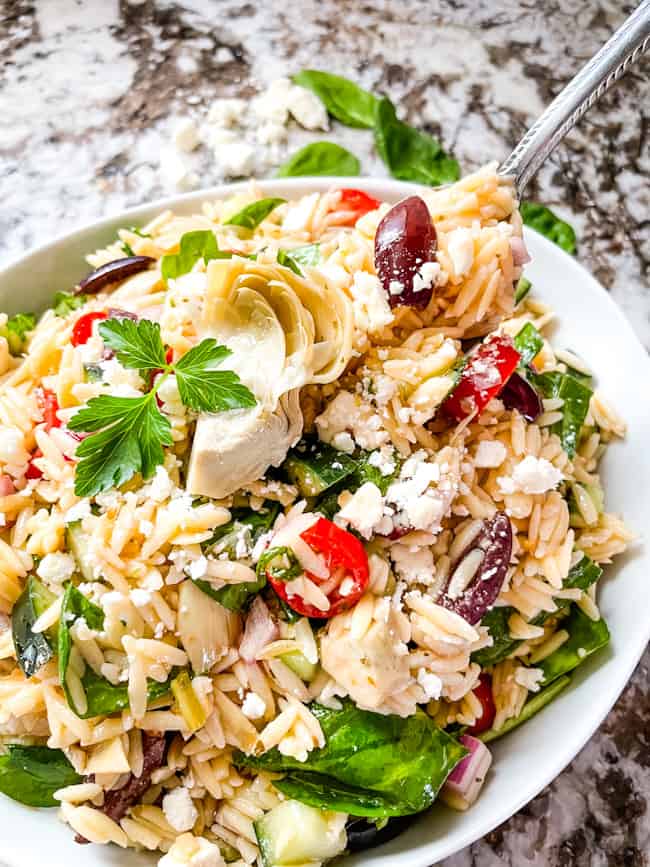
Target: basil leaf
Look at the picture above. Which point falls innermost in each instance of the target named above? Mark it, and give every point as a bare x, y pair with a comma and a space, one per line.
582, 575
201, 244
386, 765
528, 343
102, 697
532, 706
320, 158
586, 636
343, 99
252, 215
293, 259
65, 302
33, 649
411, 155
522, 289
576, 396
31, 775
544, 221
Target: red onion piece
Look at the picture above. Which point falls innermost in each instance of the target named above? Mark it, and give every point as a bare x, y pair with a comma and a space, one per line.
260, 630
111, 272
520, 395
493, 545
118, 313
520, 254
405, 240
7, 487
465, 782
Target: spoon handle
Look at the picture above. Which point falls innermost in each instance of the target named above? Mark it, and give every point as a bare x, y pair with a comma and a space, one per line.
604, 68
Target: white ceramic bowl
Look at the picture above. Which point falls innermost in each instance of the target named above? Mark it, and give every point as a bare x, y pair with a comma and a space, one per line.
529, 758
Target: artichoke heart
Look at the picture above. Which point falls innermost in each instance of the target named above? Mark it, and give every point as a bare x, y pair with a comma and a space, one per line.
284, 331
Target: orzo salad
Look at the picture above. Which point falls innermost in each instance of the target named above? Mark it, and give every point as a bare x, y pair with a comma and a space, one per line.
299, 510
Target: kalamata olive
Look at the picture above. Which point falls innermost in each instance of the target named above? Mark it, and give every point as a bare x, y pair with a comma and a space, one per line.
478, 574
363, 833
118, 313
405, 240
111, 272
520, 395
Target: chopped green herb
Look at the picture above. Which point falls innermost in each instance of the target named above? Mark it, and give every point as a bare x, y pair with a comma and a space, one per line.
320, 158
586, 636
522, 289
201, 244
66, 302
528, 343
32, 774
15, 331
279, 563
252, 215
342, 98
576, 396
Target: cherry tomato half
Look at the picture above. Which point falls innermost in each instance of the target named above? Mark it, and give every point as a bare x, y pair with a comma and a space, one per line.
353, 204
32, 471
341, 550
83, 327
486, 372
49, 407
483, 692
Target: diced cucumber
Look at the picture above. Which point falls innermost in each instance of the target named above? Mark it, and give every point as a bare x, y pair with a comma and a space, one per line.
79, 546
522, 289
93, 372
300, 665
293, 834
314, 467
33, 649
188, 702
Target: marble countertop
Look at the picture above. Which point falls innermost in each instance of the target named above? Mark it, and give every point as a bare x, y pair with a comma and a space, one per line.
89, 93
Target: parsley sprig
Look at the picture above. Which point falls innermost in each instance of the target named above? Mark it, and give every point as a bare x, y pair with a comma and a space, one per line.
128, 434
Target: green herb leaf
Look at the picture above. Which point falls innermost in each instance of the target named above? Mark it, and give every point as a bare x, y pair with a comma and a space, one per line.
576, 396
544, 221
205, 389
15, 331
31, 775
137, 344
131, 433
528, 343
102, 697
586, 636
201, 244
33, 649
386, 765
532, 706
308, 255
522, 289
279, 563
343, 99
320, 158
252, 215
65, 302
582, 575
411, 155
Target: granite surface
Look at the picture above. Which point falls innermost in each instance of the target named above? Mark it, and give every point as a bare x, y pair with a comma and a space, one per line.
88, 94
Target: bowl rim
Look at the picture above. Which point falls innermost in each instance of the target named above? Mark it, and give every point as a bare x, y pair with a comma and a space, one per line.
387, 189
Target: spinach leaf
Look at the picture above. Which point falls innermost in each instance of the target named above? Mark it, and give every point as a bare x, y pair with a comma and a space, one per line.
31, 775
237, 539
280, 563
102, 697
320, 158
522, 289
252, 215
411, 155
528, 343
576, 396
66, 302
15, 331
201, 244
385, 765
532, 706
544, 221
33, 649
308, 255
586, 636
342, 98
582, 575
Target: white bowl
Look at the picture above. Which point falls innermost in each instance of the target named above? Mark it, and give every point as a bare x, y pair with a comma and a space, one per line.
529, 758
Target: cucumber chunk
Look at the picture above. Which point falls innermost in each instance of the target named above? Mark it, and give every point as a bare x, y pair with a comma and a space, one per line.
79, 547
33, 649
300, 665
293, 834
314, 467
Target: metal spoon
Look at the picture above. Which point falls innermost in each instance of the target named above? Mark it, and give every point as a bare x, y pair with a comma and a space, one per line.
604, 68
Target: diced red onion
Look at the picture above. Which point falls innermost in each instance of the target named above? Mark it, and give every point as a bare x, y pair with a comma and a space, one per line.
520, 254
520, 395
260, 630
118, 313
466, 780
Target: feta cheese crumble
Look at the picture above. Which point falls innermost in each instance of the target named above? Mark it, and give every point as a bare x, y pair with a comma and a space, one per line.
531, 476
253, 706
490, 454
370, 307
56, 568
179, 809
364, 509
460, 247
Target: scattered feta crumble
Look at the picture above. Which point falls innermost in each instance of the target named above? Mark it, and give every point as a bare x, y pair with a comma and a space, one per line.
430, 683
364, 509
189, 851
253, 706
56, 568
179, 809
490, 454
427, 276
531, 476
460, 247
370, 307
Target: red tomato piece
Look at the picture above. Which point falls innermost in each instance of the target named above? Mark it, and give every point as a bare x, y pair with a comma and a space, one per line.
49, 407
341, 551
83, 327
33, 471
486, 372
354, 204
483, 692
